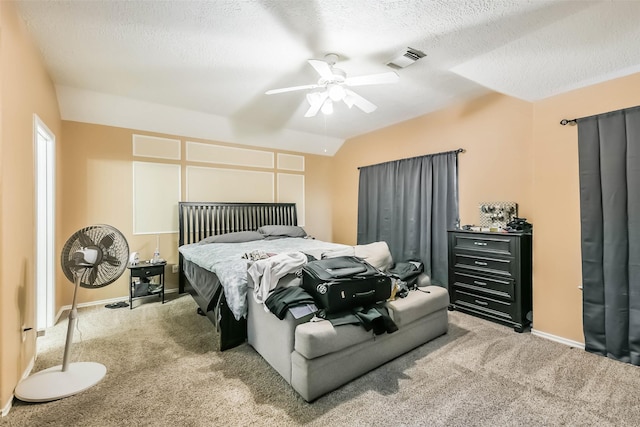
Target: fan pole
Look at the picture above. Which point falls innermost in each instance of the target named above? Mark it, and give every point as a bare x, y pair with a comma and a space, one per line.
66, 380
73, 318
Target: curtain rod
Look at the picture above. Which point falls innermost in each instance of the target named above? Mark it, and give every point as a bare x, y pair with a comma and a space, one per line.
459, 150
571, 122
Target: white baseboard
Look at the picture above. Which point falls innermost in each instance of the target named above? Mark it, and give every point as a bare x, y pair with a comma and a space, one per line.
556, 338
104, 301
6, 408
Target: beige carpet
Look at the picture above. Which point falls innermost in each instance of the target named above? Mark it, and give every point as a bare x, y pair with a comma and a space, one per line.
163, 369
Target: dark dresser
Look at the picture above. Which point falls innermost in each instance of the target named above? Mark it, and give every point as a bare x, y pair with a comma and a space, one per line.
490, 276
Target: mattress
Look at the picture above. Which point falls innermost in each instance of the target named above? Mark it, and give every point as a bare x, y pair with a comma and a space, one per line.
226, 261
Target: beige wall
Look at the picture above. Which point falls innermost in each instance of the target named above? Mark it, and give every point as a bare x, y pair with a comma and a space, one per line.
25, 89
495, 131
515, 151
98, 183
318, 197
557, 301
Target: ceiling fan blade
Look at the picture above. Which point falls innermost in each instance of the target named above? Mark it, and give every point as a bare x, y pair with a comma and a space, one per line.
291, 89
372, 79
322, 67
316, 105
355, 99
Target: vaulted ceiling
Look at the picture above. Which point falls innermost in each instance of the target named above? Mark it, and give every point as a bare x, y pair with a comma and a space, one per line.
201, 68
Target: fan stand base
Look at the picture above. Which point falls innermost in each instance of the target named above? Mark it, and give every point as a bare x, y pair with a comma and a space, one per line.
53, 384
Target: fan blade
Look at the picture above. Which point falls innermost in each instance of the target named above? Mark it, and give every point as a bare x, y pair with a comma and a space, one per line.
290, 89
372, 79
107, 241
322, 67
92, 276
85, 240
112, 260
315, 106
360, 102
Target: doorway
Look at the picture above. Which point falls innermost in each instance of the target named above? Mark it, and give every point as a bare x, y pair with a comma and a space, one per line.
44, 142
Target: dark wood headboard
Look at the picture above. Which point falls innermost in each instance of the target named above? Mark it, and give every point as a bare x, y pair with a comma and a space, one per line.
197, 220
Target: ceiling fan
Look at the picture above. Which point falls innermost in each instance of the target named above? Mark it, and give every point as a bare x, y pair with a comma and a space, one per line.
333, 87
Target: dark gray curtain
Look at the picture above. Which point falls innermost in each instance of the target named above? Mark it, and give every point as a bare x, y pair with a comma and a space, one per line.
609, 160
410, 204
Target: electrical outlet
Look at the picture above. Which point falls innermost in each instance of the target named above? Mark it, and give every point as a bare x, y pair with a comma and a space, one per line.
174, 268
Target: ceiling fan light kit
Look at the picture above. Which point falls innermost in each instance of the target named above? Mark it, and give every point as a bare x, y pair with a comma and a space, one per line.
336, 92
333, 84
327, 107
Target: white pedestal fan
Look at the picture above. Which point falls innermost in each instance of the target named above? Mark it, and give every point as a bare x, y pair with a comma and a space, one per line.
92, 257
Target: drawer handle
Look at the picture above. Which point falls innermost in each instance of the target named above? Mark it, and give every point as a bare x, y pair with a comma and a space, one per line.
481, 302
479, 283
480, 243
480, 263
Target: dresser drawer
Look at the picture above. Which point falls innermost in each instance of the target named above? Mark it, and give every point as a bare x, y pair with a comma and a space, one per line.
498, 244
497, 287
489, 306
487, 264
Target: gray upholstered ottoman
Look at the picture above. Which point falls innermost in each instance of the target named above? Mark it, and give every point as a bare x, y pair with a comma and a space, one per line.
316, 357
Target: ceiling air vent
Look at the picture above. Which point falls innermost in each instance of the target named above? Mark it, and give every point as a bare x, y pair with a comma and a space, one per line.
406, 58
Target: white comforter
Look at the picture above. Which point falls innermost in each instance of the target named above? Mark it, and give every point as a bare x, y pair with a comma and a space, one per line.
225, 260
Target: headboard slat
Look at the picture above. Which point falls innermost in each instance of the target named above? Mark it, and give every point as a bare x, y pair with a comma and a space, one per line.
198, 220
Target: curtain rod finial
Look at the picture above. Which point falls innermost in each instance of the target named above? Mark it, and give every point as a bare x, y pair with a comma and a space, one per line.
565, 122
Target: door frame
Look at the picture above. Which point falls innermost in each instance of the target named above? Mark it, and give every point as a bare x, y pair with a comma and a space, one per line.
45, 188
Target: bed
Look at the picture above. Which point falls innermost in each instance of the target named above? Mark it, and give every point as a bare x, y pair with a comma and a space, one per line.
218, 299
313, 357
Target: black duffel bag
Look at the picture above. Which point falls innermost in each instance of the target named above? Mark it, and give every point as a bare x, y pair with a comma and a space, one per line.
341, 283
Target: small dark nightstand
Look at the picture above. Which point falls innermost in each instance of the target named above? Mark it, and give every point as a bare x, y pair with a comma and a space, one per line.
144, 271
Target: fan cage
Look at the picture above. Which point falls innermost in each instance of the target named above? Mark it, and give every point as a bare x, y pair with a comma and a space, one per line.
112, 259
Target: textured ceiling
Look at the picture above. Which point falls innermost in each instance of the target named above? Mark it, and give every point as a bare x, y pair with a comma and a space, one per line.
200, 68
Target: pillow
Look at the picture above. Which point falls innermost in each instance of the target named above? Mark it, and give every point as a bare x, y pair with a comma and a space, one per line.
237, 237
346, 251
376, 254
282, 231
